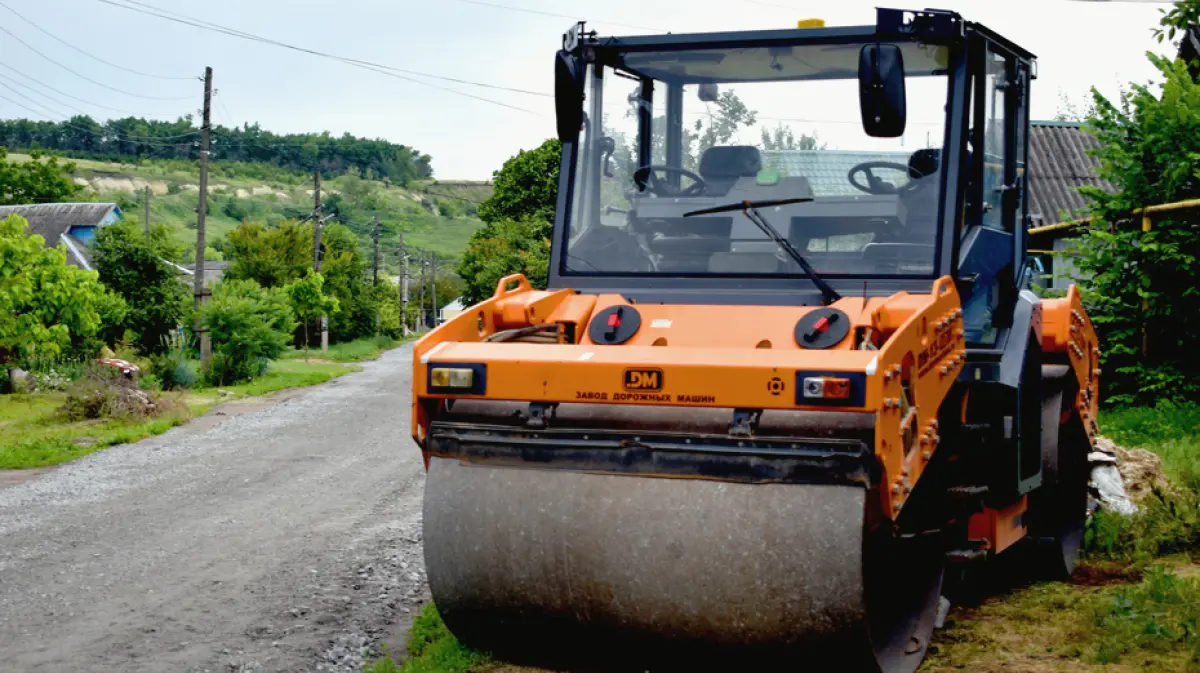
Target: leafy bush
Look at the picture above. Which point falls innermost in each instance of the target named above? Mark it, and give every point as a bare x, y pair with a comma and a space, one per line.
140, 270
1141, 283
174, 367
249, 326
47, 307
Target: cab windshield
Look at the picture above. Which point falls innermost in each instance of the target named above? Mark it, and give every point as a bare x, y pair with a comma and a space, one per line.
666, 133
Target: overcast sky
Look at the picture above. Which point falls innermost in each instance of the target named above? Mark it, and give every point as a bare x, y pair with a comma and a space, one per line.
1078, 44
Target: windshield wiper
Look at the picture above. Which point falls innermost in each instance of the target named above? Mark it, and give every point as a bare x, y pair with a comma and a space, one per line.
750, 210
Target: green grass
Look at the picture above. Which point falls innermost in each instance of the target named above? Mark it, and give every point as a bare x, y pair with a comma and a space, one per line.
32, 435
1172, 431
1149, 625
432, 649
359, 350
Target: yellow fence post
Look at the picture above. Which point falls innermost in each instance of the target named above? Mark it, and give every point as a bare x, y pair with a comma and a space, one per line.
1146, 224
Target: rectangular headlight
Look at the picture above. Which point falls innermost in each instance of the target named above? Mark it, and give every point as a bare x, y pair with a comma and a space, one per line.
452, 377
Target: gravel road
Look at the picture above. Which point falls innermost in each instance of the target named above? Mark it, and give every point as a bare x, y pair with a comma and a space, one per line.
282, 538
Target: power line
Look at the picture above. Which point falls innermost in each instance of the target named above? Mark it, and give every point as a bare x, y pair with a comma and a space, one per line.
63, 93
85, 77
50, 111
391, 71
89, 55
539, 12
152, 141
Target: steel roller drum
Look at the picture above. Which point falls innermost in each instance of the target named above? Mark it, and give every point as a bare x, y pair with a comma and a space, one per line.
583, 570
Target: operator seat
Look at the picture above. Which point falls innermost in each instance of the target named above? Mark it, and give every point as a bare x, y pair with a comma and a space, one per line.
722, 166
922, 203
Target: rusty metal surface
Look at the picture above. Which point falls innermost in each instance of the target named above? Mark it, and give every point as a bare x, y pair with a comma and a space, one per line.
526, 561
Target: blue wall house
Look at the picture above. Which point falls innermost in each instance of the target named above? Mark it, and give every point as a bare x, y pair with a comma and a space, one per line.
73, 225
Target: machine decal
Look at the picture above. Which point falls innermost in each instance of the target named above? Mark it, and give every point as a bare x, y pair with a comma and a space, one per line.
643, 379
776, 386
937, 349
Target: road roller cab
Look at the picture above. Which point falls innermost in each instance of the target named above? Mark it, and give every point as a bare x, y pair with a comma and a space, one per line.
778, 391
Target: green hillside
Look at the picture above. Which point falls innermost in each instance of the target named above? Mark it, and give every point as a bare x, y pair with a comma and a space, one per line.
432, 215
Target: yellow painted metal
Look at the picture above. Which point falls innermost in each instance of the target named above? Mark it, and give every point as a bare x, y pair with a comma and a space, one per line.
1150, 210
810, 23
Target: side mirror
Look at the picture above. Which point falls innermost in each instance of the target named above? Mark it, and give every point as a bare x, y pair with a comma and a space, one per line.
708, 92
881, 95
568, 96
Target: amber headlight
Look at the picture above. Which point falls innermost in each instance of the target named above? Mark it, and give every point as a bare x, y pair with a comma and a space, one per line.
457, 378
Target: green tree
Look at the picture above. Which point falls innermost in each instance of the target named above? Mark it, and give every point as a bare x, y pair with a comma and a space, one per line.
345, 272
35, 181
719, 126
250, 325
140, 270
1142, 287
309, 301
46, 305
526, 186
270, 256
519, 220
783, 138
499, 249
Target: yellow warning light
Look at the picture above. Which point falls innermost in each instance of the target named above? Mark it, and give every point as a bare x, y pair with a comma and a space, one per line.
810, 23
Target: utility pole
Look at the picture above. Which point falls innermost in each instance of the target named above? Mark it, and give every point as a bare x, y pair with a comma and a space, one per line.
146, 211
318, 225
433, 301
201, 292
404, 288
376, 250
421, 305
317, 221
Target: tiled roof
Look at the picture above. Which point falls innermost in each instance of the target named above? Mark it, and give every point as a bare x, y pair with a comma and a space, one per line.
1058, 165
827, 170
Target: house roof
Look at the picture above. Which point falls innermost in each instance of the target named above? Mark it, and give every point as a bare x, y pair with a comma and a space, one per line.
826, 170
1058, 165
51, 220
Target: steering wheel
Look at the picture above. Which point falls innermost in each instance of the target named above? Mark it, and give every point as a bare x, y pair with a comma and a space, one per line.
877, 186
647, 177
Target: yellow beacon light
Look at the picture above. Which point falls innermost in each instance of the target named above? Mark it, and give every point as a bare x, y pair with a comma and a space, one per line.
810, 23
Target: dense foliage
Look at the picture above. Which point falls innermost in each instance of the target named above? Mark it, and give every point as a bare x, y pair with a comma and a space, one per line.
519, 217
137, 138
35, 181
526, 186
250, 325
503, 248
47, 307
1142, 287
309, 301
274, 257
138, 268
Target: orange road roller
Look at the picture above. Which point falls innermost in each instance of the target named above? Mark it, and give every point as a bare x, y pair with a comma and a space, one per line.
779, 397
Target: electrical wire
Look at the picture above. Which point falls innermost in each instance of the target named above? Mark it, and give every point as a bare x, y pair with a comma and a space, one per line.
142, 8
63, 93
554, 15
49, 111
89, 55
85, 77
152, 141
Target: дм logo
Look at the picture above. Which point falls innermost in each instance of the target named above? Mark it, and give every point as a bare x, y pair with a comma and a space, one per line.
643, 379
